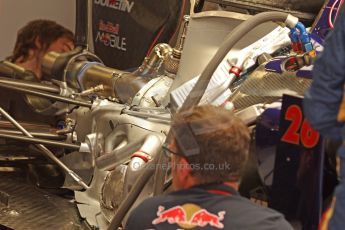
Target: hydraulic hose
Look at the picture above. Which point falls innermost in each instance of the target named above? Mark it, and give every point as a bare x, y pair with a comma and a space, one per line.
200, 87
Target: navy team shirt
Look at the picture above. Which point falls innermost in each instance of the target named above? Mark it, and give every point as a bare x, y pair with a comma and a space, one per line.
212, 206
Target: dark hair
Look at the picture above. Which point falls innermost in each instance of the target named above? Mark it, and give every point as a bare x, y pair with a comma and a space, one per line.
48, 31
223, 141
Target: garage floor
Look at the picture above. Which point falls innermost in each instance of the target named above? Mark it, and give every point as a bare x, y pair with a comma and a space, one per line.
24, 206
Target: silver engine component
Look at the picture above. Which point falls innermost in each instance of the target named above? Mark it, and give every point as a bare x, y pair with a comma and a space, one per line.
85, 72
112, 192
124, 140
154, 61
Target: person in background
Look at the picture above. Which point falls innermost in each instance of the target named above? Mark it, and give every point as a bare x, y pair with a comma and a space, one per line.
36, 39
323, 107
208, 150
33, 41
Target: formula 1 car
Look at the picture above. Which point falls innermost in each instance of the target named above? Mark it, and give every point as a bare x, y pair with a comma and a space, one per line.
115, 120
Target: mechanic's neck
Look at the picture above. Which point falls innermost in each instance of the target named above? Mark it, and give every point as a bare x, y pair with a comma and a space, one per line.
193, 182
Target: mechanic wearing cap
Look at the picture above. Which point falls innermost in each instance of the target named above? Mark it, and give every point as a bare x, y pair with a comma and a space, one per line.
208, 150
325, 110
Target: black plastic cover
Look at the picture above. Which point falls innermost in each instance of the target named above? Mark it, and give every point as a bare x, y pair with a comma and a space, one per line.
124, 31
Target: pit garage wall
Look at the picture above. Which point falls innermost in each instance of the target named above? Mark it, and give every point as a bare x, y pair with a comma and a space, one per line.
16, 13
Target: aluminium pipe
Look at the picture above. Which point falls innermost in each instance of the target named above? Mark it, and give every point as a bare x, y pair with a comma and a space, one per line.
44, 135
149, 144
31, 85
150, 148
30, 126
46, 151
118, 156
35, 140
48, 95
199, 89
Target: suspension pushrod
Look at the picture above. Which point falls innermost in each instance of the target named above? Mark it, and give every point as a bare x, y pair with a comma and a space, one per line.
48, 95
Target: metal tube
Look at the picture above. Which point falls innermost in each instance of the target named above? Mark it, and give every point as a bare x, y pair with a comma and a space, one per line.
46, 151
151, 146
32, 85
35, 140
115, 138
47, 95
118, 156
29, 126
154, 60
44, 135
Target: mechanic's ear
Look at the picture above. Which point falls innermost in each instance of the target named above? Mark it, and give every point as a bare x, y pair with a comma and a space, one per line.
38, 42
185, 168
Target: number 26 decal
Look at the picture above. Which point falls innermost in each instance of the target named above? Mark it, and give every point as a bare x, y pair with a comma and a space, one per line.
299, 130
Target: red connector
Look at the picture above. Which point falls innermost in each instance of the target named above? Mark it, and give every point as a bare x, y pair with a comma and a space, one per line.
296, 47
235, 70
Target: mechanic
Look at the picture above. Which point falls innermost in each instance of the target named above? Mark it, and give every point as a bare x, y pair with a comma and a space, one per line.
208, 150
322, 104
34, 40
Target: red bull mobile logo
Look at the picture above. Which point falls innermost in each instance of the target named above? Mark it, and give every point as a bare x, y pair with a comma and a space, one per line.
189, 216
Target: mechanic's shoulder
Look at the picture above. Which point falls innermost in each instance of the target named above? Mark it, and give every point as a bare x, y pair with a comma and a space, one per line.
152, 201
147, 209
269, 218
150, 205
143, 214
251, 214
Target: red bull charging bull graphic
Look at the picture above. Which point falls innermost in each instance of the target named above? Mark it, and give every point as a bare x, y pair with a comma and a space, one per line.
189, 216
173, 215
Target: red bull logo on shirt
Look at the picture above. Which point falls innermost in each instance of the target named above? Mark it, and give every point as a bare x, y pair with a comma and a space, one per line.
189, 216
